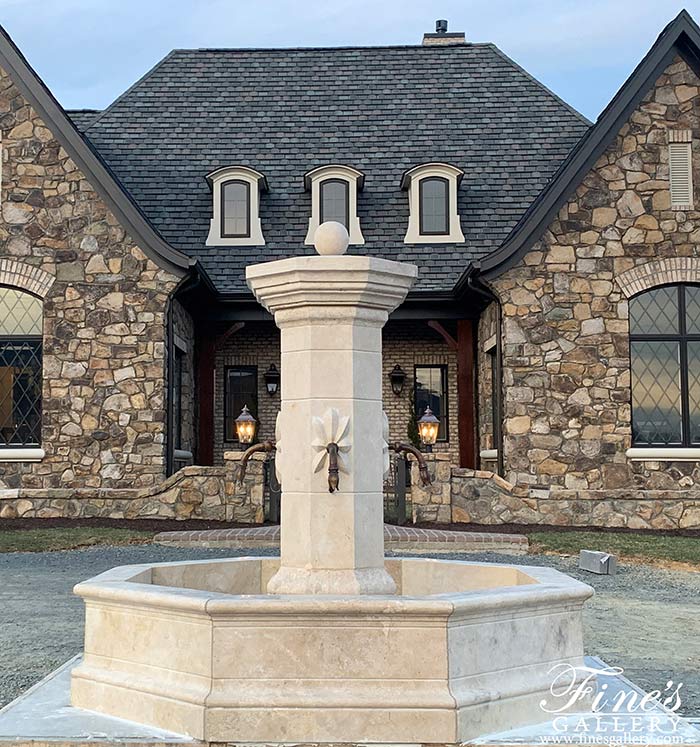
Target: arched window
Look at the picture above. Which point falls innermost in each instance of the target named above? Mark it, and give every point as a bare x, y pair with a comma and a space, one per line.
665, 354
235, 209
434, 206
20, 368
335, 205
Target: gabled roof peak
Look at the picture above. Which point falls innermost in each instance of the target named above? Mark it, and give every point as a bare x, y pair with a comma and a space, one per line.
680, 37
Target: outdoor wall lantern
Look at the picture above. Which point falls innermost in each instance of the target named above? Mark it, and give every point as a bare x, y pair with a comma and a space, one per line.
398, 379
272, 380
428, 427
245, 426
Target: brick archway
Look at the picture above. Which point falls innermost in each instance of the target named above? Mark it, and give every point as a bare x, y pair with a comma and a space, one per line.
25, 277
659, 272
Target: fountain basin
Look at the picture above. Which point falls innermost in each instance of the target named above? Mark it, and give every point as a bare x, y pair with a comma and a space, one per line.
199, 648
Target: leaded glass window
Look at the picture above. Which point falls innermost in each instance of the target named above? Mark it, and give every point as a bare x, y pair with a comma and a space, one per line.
665, 356
20, 368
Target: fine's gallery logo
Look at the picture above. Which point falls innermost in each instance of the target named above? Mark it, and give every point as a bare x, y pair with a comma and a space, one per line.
589, 704
586, 686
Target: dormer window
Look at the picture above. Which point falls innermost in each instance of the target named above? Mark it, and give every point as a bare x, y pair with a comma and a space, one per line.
432, 202
334, 197
236, 207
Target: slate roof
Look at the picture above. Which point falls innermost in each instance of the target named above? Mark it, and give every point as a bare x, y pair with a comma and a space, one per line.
379, 109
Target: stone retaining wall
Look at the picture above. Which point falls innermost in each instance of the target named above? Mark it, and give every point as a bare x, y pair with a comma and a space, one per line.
456, 495
475, 496
208, 493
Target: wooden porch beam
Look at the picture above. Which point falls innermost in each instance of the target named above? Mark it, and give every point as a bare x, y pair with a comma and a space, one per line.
446, 336
466, 393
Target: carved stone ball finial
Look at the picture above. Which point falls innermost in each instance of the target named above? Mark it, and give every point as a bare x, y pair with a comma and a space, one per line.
331, 238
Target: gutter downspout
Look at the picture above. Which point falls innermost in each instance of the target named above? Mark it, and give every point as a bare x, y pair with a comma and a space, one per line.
474, 284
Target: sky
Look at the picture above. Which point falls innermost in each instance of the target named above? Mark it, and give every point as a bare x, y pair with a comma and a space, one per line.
90, 51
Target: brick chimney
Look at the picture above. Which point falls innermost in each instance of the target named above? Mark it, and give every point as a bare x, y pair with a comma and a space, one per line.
441, 37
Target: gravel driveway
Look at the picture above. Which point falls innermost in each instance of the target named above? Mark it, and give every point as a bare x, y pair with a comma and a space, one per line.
645, 619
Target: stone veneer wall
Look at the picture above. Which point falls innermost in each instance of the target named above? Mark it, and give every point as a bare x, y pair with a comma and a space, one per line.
104, 316
467, 496
407, 344
194, 492
565, 332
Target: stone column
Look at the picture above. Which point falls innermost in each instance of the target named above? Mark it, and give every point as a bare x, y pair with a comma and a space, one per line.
331, 310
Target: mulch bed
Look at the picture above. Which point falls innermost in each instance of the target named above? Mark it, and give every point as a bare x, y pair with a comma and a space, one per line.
146, 525
173, 525
529, 528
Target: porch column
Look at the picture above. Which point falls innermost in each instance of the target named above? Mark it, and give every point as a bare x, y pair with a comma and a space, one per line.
206, 366
466, 394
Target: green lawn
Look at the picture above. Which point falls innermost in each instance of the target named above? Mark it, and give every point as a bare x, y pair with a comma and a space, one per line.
68, 538
622, 544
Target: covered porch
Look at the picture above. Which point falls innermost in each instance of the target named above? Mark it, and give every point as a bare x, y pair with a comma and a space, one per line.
232, 359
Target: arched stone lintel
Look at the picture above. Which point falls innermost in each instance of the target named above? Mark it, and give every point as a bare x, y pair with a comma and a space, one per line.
19, 275
659, 272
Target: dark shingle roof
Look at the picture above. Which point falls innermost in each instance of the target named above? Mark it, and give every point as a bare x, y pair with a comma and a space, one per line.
82, 118
379, 109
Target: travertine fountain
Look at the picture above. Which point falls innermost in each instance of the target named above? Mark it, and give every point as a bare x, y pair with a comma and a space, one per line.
331, 642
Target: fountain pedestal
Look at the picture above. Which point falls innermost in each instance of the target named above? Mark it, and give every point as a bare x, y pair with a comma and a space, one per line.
330, 311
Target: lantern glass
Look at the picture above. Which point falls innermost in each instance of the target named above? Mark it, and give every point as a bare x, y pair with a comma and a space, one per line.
397, 378
272, 380
428, 427
245, 426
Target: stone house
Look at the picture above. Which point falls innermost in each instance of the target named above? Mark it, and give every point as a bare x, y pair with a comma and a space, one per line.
555, 327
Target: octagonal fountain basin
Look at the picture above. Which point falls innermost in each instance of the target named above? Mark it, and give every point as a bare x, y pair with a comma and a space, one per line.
464, 649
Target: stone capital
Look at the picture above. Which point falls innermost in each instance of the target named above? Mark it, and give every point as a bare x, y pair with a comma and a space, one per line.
331, 289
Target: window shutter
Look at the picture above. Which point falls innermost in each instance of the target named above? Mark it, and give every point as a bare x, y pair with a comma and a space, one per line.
680, 166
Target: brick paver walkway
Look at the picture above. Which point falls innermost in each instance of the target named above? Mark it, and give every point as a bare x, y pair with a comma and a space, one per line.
395, 537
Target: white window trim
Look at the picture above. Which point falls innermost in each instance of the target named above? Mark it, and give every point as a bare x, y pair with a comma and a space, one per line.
680, 169
258, 184
22, 455
670, 454
411, 181
312, 183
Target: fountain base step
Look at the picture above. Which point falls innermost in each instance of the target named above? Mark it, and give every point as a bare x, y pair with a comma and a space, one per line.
43, 716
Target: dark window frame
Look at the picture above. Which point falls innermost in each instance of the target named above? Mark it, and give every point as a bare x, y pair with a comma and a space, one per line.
233, 416
28, 340
421, 184
178, 376
346, 186
446, 392
222, 208
681, 338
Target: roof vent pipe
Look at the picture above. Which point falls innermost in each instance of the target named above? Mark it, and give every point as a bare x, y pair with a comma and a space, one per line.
441, 27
